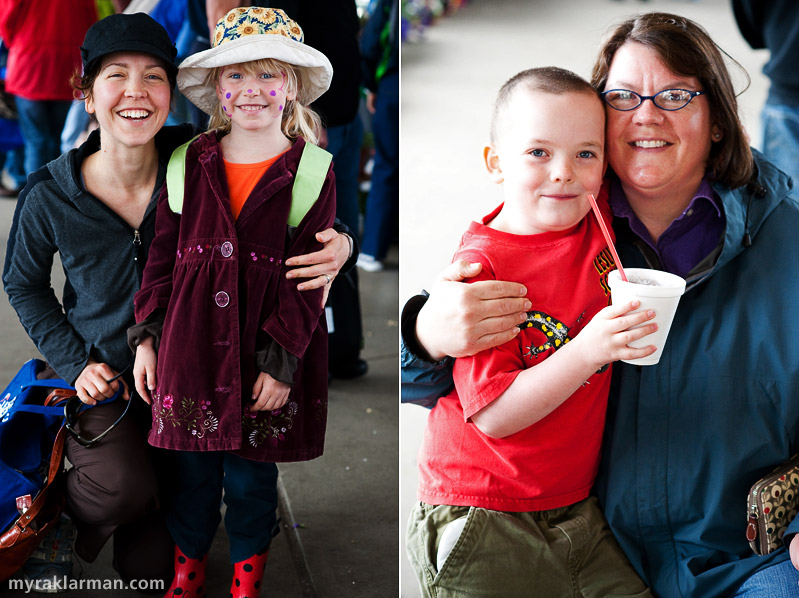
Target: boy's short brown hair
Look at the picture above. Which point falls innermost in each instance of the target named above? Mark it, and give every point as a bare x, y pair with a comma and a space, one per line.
548, 79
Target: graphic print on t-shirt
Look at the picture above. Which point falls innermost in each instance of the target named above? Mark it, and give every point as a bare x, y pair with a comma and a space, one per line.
555, 331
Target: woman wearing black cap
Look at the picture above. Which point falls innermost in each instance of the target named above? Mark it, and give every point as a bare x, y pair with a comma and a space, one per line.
95, 206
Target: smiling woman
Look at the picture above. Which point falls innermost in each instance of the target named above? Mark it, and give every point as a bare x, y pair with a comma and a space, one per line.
95, 207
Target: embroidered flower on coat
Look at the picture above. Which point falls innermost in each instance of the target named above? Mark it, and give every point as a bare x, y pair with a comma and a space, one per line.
271, 425
196, 419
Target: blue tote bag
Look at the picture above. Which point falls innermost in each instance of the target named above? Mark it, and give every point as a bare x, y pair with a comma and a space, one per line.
27, 433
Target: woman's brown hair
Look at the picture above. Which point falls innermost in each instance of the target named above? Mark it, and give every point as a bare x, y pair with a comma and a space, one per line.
687, 50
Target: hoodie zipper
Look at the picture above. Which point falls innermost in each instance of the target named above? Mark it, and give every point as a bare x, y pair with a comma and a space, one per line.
136, 244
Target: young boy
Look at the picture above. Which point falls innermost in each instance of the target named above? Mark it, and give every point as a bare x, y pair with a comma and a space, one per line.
510, 455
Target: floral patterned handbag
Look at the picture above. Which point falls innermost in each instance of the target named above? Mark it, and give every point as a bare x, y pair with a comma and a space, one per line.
772, 504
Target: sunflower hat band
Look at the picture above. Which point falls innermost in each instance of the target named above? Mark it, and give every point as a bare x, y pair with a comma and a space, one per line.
254, 33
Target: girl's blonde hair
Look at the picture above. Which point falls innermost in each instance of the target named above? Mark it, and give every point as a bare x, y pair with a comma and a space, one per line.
297, 121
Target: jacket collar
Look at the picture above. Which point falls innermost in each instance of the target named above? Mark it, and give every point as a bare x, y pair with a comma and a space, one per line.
747, 207
208, 145
66, 169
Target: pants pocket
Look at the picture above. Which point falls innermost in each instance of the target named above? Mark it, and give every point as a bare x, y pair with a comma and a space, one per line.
449, 537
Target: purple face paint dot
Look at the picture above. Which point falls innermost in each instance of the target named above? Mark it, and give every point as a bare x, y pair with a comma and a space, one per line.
273, 93
249, 91
227, 96
280, 107
224, 108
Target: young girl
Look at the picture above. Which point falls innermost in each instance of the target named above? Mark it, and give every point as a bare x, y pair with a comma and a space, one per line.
242, 363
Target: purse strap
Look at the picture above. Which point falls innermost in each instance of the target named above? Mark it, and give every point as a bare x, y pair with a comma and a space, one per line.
48, 408
56, 459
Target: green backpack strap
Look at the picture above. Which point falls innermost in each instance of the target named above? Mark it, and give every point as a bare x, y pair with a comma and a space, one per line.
311, 175
175, 176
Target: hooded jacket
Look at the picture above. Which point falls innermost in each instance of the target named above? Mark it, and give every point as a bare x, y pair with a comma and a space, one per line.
101, 254
686, 439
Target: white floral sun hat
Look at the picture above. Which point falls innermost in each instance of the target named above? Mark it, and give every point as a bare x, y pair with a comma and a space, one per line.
254, 33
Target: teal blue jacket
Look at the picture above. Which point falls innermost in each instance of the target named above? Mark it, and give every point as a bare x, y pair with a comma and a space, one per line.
686, 439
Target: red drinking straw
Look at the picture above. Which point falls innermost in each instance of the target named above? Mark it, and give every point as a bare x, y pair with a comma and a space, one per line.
607, 236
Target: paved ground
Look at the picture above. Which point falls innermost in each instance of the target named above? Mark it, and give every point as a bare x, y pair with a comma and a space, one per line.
339, 512
449, 81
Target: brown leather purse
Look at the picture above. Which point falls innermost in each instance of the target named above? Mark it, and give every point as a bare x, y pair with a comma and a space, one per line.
37, 514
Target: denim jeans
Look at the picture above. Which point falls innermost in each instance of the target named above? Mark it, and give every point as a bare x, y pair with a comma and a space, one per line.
344, 318
41, 122
75, 125
250, 489
14, 165
382, 205
781, 137
344, 142
777, 581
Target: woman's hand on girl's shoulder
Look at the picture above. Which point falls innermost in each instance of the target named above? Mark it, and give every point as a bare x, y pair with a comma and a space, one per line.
322, 266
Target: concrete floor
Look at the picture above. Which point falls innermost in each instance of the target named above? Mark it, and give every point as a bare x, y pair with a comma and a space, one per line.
340, 512
449, 81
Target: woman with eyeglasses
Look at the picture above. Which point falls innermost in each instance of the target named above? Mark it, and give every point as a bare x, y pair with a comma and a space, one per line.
686, 438
95, 206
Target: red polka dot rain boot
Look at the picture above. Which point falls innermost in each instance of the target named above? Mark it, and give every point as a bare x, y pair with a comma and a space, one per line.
247, 576
189, 580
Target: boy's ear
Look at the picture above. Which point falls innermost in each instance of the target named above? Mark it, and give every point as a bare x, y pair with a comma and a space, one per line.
491, 158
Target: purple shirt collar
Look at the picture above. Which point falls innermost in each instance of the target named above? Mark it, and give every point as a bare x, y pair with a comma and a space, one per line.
689, 239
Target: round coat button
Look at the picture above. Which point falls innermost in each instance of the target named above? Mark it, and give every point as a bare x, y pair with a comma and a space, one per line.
227, 249
222, 299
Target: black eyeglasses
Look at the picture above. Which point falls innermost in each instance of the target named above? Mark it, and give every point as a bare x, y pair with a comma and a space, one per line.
668, 99
74, 408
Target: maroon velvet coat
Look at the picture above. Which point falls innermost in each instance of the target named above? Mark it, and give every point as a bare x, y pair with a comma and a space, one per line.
223, 285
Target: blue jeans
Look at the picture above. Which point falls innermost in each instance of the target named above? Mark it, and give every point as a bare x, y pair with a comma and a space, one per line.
14, 164
75, 125
777, 581
382, 204
250, 489
344, 142
781, 137
41, 122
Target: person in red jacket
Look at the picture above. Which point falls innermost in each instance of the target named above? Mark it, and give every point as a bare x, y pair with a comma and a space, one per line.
43, 39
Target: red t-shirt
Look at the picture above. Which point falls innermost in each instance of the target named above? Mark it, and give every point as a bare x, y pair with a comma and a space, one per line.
552, 463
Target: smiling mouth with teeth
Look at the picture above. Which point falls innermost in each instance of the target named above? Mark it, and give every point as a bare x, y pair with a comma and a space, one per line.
134, 114
647, 144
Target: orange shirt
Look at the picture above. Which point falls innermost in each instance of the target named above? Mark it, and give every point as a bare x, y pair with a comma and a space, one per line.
241, 180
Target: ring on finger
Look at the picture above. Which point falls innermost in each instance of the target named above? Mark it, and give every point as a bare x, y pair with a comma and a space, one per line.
328, 278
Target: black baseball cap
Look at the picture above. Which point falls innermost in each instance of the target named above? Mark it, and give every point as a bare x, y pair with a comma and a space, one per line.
136, 32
